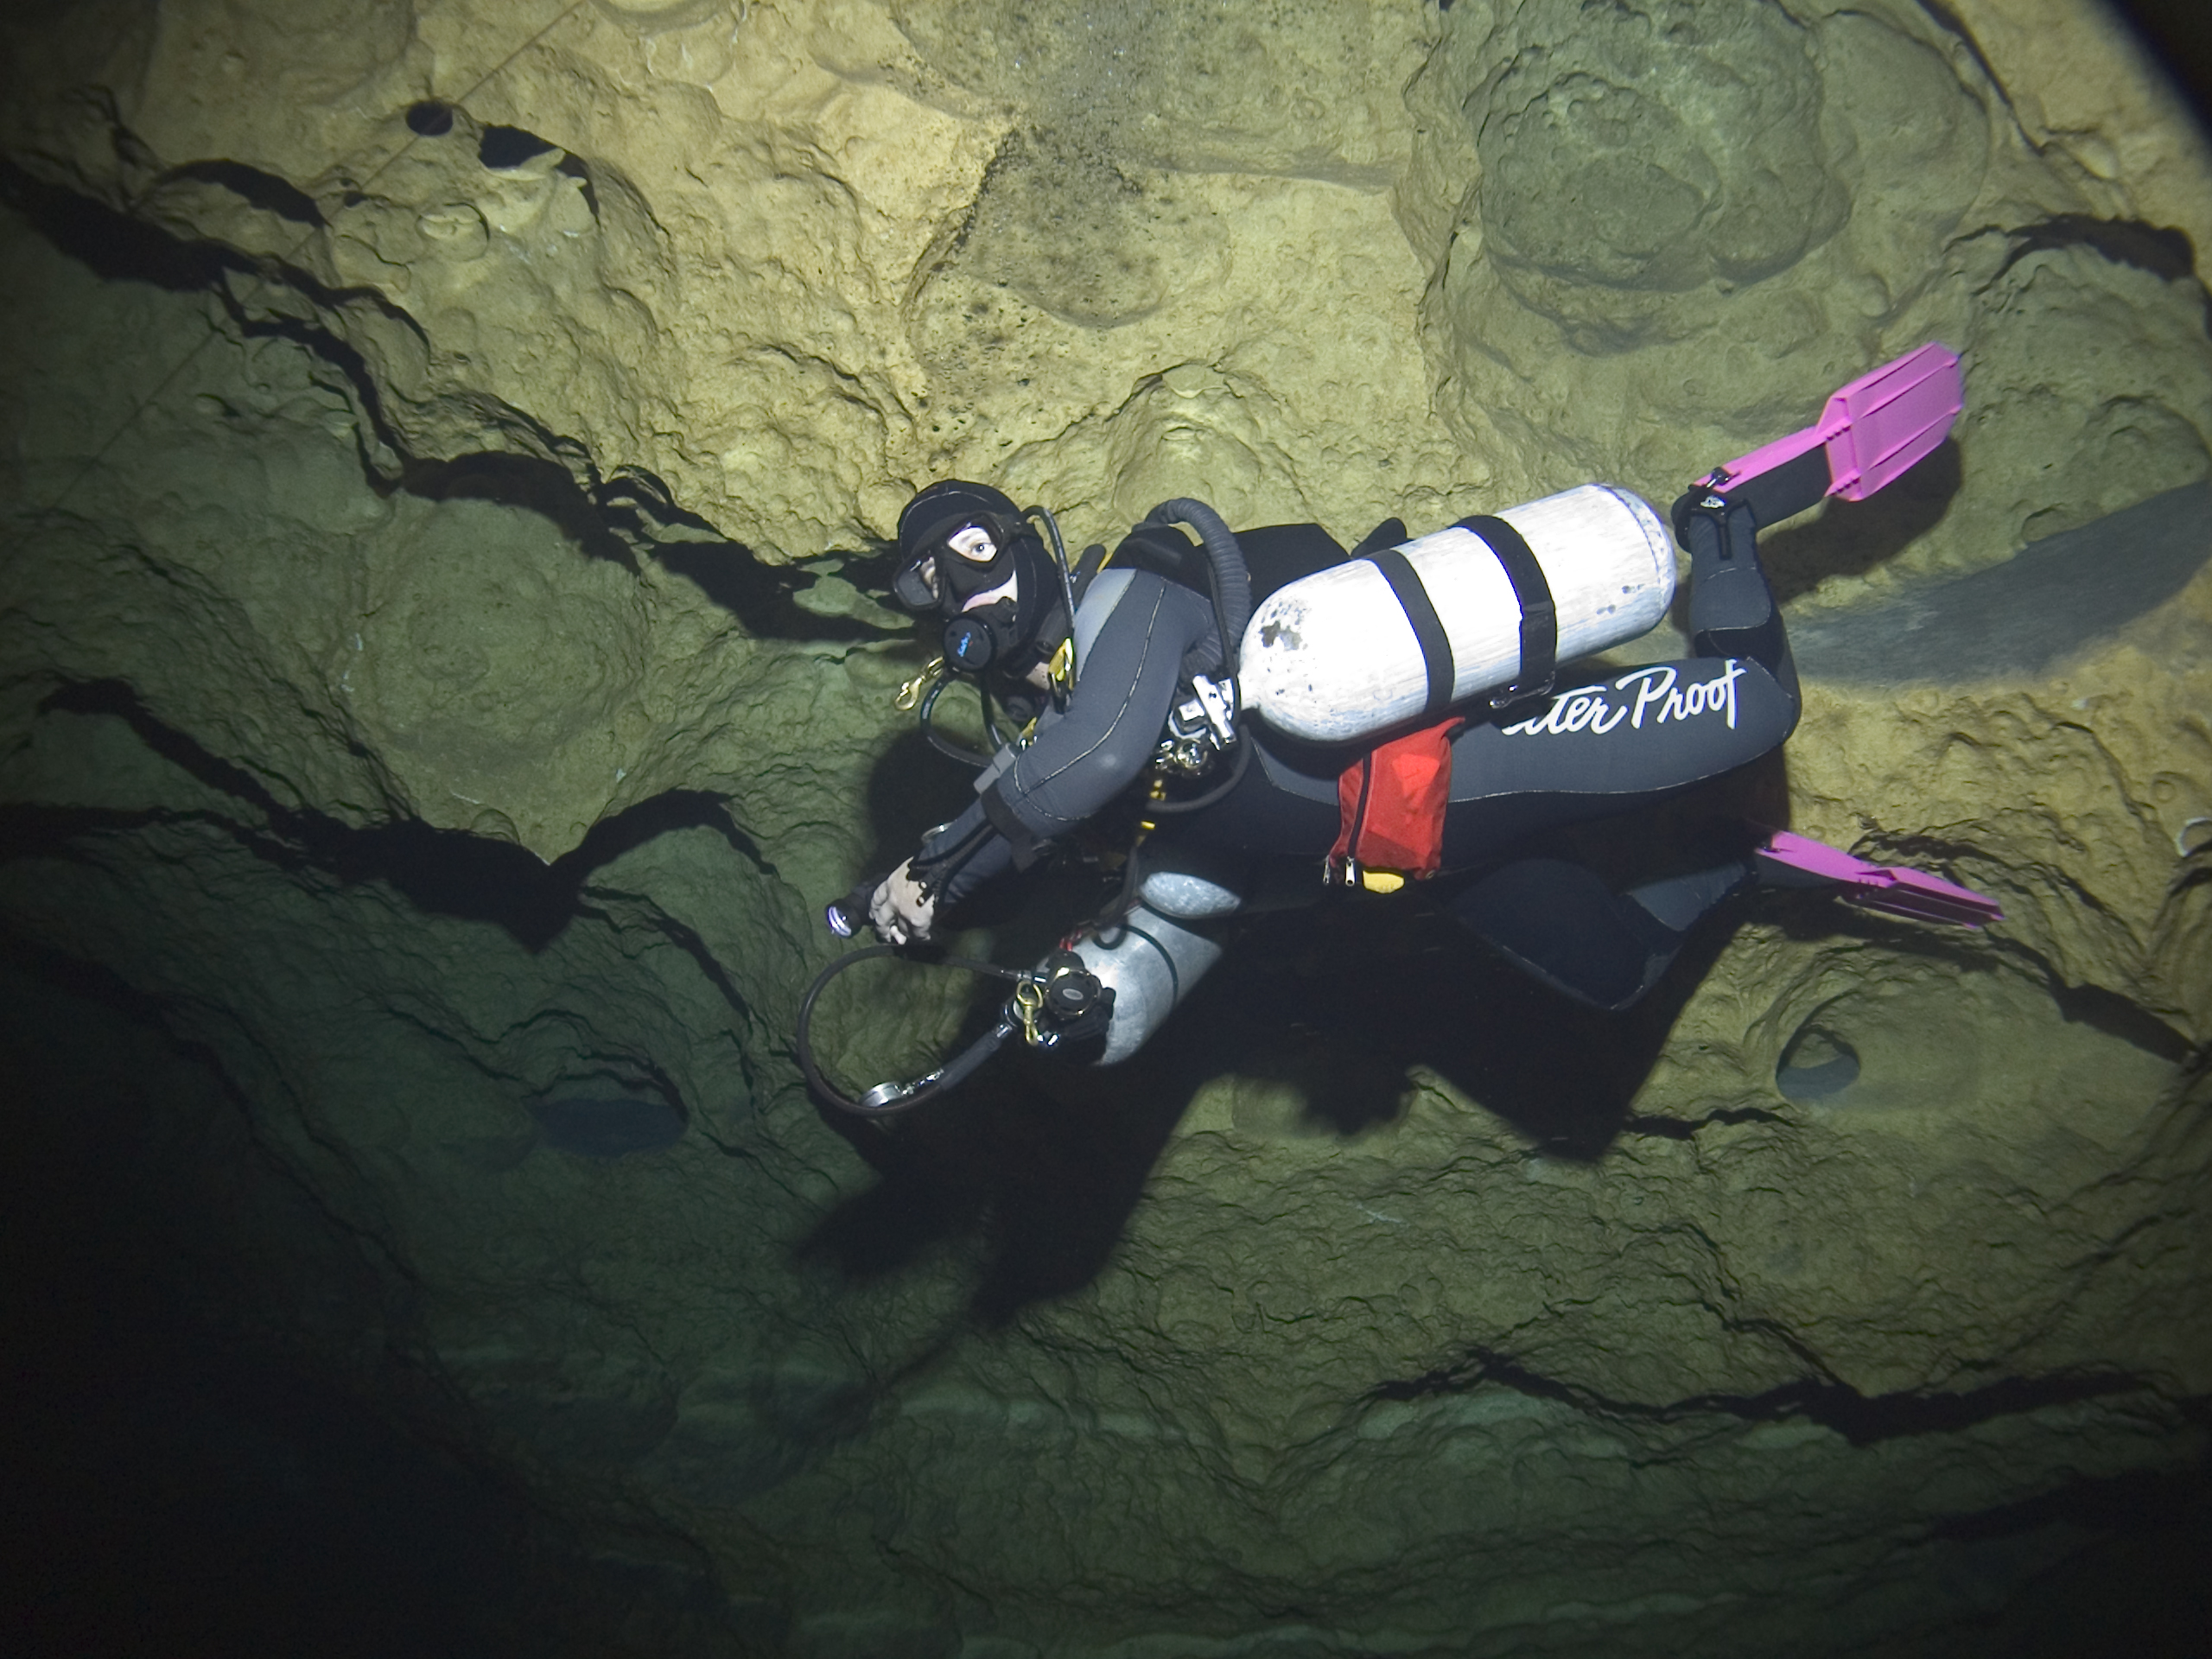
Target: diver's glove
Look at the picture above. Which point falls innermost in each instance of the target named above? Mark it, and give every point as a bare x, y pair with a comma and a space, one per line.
901, 911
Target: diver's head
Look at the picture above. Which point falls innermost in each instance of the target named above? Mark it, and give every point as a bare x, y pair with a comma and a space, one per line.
967, 556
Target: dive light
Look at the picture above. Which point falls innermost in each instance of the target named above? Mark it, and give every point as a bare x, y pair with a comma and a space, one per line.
847, 916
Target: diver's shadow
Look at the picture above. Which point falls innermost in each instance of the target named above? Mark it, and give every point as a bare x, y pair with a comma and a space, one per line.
912, 788
1041, 1161
1851, 537
1042, 1165
1343, 1008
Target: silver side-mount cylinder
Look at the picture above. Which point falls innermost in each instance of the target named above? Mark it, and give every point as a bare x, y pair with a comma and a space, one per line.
1151, 958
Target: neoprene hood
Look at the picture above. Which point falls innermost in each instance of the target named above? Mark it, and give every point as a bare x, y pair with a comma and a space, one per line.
944, 565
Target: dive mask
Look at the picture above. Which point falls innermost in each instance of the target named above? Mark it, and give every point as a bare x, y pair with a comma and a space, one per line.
966, 569
953, 560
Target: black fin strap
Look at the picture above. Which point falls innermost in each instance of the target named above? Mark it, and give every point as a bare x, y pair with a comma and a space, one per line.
1436, 647
1784, 491
1538, 612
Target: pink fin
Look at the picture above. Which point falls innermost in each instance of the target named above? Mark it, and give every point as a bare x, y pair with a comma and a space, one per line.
1894, 888
1875, 429
1881, 423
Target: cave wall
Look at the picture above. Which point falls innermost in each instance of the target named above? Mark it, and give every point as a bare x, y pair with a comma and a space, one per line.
444, 672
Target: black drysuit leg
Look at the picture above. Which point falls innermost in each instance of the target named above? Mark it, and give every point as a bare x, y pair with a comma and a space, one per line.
1561, 923
1630, 740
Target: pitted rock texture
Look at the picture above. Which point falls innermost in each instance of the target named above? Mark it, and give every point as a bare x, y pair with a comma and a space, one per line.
1717, 175
787, 262
1769, 197
444, 674
794, 261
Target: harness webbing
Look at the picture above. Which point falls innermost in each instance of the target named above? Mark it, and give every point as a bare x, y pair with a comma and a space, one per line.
1539, 612
1435, 646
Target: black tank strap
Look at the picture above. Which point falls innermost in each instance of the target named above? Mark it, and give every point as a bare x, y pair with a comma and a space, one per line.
1539, 612
1435, 646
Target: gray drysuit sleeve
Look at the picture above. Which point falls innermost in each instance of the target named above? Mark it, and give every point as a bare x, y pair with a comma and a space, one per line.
1083, 757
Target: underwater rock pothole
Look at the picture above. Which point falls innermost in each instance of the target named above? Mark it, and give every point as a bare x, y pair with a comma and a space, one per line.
502, 149
606, 1127
1816, 1067
429, 118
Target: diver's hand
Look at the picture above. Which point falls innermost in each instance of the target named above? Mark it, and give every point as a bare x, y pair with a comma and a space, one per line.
900, 912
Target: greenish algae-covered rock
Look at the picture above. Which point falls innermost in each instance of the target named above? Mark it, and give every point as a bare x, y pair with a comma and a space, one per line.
444, 673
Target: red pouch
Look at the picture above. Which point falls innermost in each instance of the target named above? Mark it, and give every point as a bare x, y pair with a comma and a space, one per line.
1391, 804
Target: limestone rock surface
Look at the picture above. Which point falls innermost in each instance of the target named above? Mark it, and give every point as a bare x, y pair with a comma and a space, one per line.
443, 671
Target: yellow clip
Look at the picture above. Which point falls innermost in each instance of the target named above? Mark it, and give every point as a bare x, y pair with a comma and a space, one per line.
1063, 661
1381, 880
1156, 791
1029, 999
910, 693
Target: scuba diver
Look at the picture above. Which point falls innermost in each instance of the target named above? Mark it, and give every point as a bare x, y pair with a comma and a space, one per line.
1234, 714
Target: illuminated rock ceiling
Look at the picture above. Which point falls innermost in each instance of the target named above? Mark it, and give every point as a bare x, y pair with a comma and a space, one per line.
445, 671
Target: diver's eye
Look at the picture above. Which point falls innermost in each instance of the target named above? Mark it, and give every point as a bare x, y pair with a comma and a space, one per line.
973, 545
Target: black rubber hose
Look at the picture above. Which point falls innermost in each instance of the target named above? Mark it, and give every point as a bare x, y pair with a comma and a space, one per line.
1218, 792
954, 1073
945, 746
990, 720
1232, 579
1126, 892
1067, 583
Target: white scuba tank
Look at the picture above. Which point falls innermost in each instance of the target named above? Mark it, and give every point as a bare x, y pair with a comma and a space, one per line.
1334, 656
